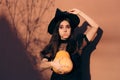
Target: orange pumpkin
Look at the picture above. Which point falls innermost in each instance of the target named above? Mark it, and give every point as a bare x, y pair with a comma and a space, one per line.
64, 59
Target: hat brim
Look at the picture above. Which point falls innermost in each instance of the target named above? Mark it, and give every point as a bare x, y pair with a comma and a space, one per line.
61, 15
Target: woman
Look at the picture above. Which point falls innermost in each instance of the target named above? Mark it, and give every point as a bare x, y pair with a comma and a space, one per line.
63, 38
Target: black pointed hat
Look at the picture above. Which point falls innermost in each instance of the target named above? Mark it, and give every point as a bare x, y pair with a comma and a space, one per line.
61, 15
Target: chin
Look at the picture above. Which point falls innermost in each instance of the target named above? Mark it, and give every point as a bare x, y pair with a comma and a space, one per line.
64, 38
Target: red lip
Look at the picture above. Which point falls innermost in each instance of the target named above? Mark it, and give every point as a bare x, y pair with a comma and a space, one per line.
65, 35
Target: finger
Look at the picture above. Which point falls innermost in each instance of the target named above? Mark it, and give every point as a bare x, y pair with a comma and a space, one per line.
71, 10
44, 59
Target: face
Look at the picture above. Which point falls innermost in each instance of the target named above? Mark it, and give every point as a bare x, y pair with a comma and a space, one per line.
64, 30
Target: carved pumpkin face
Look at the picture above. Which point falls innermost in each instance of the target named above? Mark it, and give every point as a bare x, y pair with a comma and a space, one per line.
64, 60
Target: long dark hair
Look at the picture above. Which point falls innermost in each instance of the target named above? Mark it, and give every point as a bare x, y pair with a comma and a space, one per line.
54, 43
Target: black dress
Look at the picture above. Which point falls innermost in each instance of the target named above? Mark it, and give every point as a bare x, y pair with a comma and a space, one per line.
80, 64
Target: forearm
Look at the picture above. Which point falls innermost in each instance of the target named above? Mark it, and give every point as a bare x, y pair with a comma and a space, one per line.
44, 65
91, 22
91, 33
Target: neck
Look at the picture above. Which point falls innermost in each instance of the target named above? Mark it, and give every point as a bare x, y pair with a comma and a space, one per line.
64, 41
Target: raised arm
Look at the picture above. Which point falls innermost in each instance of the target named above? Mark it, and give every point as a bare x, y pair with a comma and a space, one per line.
93, 25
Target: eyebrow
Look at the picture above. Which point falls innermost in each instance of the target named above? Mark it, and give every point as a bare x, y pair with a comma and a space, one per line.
65, 25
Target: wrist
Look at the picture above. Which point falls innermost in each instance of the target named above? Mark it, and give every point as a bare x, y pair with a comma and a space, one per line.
51, 64
78, 13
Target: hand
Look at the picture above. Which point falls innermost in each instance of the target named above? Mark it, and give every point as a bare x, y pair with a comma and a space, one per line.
45, 63
74, 11
57, 67
56, 64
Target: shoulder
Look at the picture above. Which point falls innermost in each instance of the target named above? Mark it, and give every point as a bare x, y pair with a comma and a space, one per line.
81, 36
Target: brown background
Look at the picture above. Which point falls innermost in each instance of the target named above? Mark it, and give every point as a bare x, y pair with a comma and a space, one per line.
105, 60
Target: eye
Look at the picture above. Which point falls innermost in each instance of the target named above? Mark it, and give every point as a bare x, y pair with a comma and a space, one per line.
68, 26
60, 27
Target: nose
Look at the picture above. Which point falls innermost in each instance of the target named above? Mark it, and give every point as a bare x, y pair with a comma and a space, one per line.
65, 29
